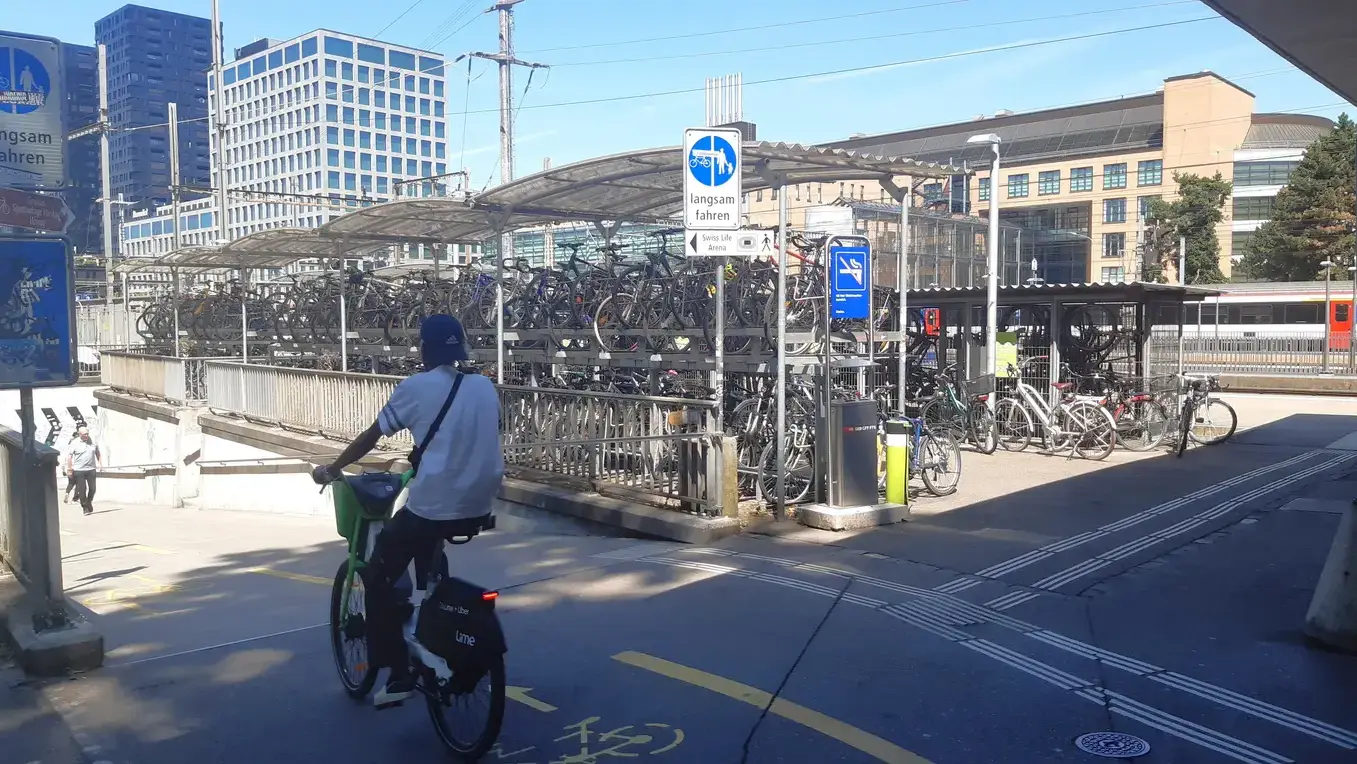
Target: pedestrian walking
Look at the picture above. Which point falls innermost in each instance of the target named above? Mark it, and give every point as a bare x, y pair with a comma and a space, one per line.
70, 476
82, 464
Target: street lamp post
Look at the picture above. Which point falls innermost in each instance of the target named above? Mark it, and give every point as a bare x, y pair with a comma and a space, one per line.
992, 261
1328, 312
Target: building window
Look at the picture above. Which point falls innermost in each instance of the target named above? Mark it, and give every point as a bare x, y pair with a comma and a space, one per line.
1263, 173
1150, 173
1143, 206
337, 47
1114, 275
331, 68
1114, 244
1114, 176
346, 71
1239, 242
1017, 186
1114, 210
1081, 179
1048, 182
984, 189
1254, 207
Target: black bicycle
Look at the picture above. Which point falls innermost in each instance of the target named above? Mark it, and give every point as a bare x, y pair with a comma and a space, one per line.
1204, 419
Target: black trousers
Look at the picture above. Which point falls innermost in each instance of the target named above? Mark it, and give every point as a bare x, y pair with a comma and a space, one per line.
406, 537
85, 485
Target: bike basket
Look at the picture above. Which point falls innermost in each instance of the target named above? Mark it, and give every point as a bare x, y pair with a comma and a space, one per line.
982, 385
370, 496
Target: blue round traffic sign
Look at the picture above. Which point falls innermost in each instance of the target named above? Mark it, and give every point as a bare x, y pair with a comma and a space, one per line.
24, 82
712, 160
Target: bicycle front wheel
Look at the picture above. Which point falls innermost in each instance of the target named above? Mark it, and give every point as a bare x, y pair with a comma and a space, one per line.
348, 635
1213, 422
472, 741
1094, 432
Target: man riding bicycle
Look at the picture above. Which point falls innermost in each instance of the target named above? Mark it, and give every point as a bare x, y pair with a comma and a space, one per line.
454, 416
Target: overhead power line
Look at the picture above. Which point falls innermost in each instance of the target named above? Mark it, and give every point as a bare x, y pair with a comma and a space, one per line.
759, 28
894, 35
867, 68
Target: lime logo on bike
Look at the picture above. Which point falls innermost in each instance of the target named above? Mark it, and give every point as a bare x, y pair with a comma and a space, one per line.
465, 639
453, 608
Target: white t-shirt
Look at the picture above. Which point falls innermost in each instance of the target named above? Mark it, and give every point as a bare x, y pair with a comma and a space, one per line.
463, 467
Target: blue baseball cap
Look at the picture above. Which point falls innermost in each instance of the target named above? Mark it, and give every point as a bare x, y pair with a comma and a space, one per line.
442, 340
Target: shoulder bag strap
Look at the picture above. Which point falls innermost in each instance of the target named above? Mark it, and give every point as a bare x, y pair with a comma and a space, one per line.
417, 455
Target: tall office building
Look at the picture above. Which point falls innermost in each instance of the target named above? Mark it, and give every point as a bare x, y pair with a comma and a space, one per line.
330, 116
154, 58
314, 128
81, 63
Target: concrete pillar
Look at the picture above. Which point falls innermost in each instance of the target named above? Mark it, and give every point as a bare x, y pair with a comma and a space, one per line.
188, 449
1332, 618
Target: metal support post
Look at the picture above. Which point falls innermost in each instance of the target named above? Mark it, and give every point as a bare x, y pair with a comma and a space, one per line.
902, 284
716, 460
244, 315
106, 181
1328, 315
780, 512
127, 313
344, 318
1182, 261
1053, 360
824, 451
1352, 319
992, 281
219, 121
499, 311
177, 237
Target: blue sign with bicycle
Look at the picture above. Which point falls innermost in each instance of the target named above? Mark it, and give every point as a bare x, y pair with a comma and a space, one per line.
712, 160
850, 281
711, 184
37, 343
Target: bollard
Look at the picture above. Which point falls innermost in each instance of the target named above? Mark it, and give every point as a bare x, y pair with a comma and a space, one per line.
897, 461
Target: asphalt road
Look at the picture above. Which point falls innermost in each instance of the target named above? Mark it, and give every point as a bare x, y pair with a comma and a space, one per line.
1153, 596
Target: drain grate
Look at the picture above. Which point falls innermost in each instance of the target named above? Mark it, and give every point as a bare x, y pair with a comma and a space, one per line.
1112, 745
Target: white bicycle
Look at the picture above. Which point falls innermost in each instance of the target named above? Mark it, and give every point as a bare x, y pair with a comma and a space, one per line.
1073, 424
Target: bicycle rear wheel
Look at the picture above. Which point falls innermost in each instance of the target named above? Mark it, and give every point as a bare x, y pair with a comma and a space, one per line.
348, 635
476, 741
940, 464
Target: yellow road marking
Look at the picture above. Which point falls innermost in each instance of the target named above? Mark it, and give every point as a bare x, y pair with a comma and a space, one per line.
152, 549
878, 748
520, 694
291, 576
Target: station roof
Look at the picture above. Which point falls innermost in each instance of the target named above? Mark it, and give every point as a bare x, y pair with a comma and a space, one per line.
643, 186
1319, 36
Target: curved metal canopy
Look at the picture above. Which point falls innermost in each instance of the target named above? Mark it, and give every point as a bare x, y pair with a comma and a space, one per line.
647, 185
437, 220
1319, 36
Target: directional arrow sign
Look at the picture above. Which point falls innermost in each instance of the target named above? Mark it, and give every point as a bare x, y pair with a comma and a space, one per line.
520, 695
23, 209
722, 243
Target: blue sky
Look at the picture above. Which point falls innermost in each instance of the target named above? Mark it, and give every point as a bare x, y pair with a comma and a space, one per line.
608, 48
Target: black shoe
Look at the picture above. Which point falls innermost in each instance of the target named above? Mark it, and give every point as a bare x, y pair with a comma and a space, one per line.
89, 510
397, 691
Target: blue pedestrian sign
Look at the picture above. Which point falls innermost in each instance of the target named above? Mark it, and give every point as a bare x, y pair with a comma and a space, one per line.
850, 281
32, 111
711, 179
37, 309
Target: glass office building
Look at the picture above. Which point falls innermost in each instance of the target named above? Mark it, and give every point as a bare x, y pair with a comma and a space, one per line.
155, 58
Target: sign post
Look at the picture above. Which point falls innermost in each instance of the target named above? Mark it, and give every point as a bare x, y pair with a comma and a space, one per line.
711, 216
848, 290
32, 106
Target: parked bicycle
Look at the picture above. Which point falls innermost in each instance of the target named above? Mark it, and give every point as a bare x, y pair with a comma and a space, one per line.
961, 411
1204, 419
1073, 424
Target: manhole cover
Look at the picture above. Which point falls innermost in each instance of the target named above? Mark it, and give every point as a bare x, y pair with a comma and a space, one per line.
1112, 745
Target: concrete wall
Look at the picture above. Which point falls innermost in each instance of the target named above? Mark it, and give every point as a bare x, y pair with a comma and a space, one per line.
261, 491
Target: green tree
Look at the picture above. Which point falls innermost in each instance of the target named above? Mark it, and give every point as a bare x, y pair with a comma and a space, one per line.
1198, 210
1313, 218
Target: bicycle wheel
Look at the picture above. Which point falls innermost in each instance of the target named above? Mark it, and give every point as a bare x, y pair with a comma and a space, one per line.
1184, 426
1015, 424
348, 635
1142, 425
940, 464
1094, 432
984, 430
941, 419
480, 738
1213, 423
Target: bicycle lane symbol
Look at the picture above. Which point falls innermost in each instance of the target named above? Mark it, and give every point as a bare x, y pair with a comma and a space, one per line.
590, 740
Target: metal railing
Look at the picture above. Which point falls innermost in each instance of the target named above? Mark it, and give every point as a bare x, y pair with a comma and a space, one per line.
176, 380
107, 325
29, 542
611, 443
632, 444
1251, 353
330, 403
